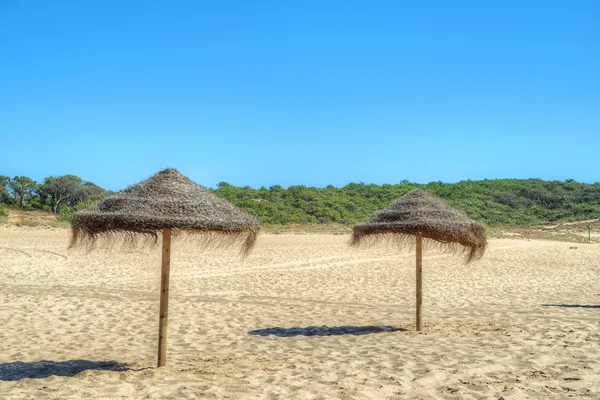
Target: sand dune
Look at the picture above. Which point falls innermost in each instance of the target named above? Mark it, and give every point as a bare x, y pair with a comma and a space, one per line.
303, 317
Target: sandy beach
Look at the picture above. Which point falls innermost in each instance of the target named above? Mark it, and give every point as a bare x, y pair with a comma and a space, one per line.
302, 317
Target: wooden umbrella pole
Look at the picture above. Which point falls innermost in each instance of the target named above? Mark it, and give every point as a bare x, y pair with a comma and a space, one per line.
419, 241
164, 298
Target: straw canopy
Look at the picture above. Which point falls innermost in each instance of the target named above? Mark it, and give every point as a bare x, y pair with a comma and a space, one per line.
166, 200
420, 212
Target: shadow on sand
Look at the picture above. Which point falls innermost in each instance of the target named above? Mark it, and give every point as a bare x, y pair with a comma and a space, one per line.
15, 371
324, 330
570, 305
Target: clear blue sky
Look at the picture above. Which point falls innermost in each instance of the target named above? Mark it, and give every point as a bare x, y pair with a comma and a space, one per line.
300, 92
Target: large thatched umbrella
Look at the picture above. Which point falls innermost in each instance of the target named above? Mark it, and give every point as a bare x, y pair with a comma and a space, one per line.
422, 215
165, 202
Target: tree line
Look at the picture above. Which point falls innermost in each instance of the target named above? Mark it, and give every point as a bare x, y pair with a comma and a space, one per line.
495, 202
58, 194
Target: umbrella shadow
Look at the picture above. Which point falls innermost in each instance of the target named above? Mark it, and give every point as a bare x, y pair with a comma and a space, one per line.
571, 305
15, 371
325, 330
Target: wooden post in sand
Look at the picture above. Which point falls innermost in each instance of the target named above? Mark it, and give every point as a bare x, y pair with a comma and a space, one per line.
419, 241
164, 298
589, 234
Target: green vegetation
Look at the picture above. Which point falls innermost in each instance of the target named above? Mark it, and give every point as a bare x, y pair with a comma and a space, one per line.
58, 194
495, 202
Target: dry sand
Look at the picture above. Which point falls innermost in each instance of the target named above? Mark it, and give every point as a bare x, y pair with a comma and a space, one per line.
303, 317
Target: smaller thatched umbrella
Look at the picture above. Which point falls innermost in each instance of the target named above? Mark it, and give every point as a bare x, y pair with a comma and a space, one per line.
422, 215
165, 202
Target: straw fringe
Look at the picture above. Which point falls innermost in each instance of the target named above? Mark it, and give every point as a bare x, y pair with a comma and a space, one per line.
407, 240
128, 239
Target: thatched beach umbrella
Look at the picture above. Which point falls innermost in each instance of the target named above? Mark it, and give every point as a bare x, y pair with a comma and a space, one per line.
165, 202
423, 215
